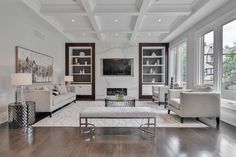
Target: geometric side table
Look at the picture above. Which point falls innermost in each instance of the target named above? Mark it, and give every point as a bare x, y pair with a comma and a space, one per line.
21, 115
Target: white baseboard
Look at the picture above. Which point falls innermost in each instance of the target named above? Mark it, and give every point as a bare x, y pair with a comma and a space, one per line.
3, 117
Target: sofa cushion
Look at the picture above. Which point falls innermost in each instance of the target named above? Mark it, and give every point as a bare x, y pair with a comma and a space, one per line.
175, 102
62, 89
202, 88
62, 97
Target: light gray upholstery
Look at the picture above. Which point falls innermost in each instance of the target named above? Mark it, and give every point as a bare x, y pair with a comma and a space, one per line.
119, 112
46, 102
194, 104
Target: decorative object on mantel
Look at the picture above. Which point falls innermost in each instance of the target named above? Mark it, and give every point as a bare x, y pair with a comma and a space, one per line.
21, 80
40, 65
147, 62
68, 79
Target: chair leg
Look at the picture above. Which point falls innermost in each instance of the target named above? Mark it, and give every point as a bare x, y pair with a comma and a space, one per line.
217, 122
181, 120
168, 111
197, 118
159, 103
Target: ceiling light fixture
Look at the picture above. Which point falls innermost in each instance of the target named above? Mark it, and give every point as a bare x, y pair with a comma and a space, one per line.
84, 34
159, 20
73, 20
149, 34
116, 34
116, 20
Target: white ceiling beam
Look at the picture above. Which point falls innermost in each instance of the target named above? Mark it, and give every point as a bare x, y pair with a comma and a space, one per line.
50, 9
145, 5
156, 30
94, 22
183, 9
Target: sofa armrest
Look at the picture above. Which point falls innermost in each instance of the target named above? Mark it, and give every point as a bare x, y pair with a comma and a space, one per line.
201, 104
43, 99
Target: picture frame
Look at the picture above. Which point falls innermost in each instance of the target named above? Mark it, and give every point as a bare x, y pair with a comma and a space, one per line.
40, 65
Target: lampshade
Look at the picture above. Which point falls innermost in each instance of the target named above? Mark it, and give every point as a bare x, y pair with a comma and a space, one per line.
68, 79
21, 79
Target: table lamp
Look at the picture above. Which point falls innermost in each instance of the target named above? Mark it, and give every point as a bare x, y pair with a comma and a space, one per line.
68, 79
21, 80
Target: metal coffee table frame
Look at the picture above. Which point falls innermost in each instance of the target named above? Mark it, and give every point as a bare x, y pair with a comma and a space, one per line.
125, 102
86, 127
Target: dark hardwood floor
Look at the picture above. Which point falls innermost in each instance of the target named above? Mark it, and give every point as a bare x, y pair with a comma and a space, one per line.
119, 142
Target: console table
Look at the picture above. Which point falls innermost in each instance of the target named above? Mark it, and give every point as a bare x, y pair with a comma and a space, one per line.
124, 102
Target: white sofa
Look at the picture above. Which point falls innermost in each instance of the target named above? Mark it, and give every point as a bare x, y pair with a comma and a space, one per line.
194, 104
47, 102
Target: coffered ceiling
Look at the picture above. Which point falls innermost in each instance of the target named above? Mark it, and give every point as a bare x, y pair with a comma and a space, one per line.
117, 20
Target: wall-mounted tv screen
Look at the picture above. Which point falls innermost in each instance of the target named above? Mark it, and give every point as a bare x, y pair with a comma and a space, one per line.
114, 66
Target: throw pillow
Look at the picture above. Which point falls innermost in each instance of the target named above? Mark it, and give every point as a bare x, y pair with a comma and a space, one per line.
55, 92
62, 89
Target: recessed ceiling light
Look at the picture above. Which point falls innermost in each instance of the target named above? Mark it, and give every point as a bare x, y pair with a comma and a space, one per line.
73, 20
159, 20
84, 34
116, 20
116, 34
149, 33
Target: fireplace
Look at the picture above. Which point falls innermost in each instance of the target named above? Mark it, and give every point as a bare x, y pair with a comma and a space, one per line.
113, 91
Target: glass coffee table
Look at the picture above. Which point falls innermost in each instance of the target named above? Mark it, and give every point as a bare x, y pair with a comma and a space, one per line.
126, 101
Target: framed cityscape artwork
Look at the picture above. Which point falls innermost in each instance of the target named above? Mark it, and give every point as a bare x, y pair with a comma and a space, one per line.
40, 65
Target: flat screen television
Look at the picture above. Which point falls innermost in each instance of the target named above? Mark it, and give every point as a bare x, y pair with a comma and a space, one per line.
117, 66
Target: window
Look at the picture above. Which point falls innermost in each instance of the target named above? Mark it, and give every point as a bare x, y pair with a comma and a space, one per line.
229, 63
179, 64
208, 58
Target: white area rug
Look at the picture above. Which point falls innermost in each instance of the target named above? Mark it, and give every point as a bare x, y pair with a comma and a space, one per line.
69, 117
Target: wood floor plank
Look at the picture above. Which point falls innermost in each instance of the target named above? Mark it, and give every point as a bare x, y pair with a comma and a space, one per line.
118, 142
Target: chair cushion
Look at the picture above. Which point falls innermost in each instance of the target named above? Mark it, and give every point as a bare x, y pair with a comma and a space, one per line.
155, 93
175, 102
62, 89
202, 88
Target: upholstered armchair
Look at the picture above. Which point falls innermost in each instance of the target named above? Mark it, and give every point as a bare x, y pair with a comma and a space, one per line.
194, 104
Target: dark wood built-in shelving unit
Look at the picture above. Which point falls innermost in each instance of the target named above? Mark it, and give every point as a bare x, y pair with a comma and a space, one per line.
80, 63
153, 67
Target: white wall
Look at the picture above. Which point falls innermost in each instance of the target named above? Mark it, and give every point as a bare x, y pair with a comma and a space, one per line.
213, 22
17, 28
104, 50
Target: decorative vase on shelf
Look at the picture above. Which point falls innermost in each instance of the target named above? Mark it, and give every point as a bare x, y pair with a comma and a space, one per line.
82, 54
76, 60
85, 63
151, 71
153, 80
147, 62
153, 54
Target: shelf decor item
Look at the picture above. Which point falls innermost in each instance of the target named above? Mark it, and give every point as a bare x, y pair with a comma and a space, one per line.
82, 54
154, 54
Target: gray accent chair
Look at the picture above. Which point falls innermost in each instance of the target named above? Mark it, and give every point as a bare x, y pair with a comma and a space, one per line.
160, 94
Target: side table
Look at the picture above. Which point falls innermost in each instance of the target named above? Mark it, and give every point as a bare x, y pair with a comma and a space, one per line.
21, 115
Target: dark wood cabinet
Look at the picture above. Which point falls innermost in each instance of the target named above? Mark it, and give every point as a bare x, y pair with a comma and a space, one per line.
153, 67
80, 63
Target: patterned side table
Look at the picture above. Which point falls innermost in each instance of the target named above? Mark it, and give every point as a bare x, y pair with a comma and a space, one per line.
21, 115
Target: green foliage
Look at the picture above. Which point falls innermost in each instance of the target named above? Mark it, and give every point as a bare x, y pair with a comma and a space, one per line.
229, 72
